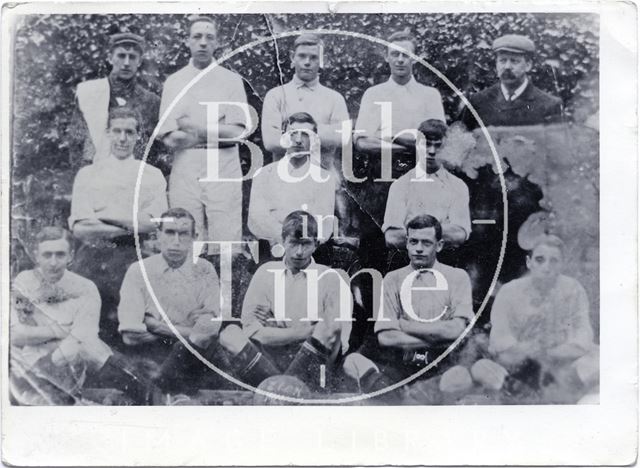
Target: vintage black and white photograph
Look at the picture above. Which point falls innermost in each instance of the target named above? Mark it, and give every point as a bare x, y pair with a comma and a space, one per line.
357, 232
357, 209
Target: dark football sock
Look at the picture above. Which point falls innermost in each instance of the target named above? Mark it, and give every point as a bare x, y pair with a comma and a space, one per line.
308, 361
118, 373
252, 366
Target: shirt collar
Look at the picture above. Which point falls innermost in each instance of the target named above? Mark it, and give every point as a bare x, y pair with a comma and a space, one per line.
517, 93
311, 266
441, 174
436, 266
298, 83
115, 160
165, 267
408, 85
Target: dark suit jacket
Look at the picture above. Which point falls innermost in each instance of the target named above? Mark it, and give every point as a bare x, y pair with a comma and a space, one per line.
532, 107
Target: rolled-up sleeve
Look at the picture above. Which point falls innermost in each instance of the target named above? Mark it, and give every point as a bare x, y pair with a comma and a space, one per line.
210, 299
462, 299
395, 212
87, 318
132, 309
233, 114
157, 193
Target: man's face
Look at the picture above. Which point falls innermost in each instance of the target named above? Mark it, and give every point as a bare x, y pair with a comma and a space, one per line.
422, 247
512, 68
433, 149
125, 62
298, 252
545, 264
176, 240
52, 258
299, 133
202, 42
306, 61
123, 136
400, 63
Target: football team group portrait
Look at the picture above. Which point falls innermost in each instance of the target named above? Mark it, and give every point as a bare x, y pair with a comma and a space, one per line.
280, 209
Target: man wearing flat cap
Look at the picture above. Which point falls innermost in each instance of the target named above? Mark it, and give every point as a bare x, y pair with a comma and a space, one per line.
514, 100
96, 98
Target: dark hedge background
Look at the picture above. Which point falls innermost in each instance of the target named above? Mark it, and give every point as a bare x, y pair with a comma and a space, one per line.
54, 53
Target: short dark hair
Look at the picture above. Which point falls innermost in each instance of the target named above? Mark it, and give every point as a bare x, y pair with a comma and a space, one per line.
50, 233
294, 226
124, 113
433, 129
193, 19
302, 117
177, 213
403, 36
307, 39
425, 221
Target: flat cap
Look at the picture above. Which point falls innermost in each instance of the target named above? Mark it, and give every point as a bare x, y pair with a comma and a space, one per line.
125, 38
514, 43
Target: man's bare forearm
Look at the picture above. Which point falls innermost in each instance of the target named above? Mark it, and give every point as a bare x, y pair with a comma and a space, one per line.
434, 332
399, 339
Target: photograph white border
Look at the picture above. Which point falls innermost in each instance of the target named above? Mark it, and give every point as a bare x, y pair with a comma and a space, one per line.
376, 435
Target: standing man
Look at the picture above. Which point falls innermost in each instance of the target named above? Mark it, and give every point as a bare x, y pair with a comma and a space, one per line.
215, 205
514, 100
400, 103
102, 204
96, 98
305, 93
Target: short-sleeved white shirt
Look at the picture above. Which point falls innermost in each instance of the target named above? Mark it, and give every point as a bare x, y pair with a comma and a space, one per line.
262, 291
427, 304
411, 104
272, 199
179, 291
440, 194
105, 189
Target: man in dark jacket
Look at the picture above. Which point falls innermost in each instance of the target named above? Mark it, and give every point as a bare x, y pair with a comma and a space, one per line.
514, 100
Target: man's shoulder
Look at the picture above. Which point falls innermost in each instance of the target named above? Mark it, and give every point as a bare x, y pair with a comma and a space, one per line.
451, 272
80, 281
544, 97
330, 91
146, 94
89, 85
487, 94
203, 266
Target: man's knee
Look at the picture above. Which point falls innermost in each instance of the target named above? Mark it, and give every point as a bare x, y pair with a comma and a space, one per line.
327, 332
232, 339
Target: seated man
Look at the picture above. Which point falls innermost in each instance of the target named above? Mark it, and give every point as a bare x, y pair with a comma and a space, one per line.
102, 212
426, 306
188, 293
432, 190
311, 188
544, 316
54, 331
276, 316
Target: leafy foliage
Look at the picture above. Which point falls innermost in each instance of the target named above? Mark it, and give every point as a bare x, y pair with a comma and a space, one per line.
54, 53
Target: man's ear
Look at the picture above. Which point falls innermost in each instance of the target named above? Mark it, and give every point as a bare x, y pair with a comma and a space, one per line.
439, 245
292, 54
528, 262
